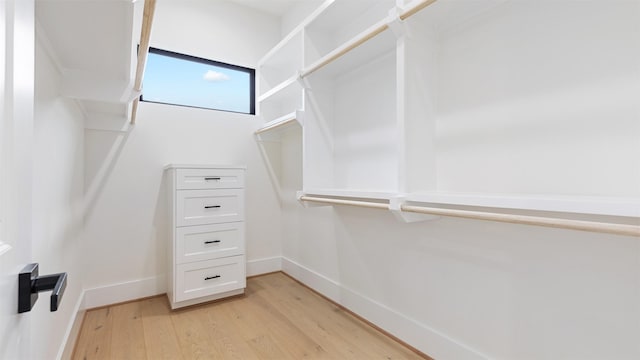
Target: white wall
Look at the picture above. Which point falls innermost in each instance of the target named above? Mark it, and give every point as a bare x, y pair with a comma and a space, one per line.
216, 30
58, 185
469, 289
125, 222
550, 98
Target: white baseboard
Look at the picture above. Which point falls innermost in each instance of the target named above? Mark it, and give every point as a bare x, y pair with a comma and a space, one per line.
420, 336
126, 291
136, 289
312, 279
73, 329
264, 266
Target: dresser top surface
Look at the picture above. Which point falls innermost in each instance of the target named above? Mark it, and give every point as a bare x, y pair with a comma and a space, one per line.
203, 166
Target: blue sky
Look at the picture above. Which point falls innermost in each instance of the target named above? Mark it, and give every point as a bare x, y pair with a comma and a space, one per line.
177, 81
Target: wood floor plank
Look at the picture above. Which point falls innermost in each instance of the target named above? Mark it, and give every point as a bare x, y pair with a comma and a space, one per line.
160, 338
285, 331
313, 325
254, 330
225, 331
127, 339
278, 318
193, 335
353, 333
94, 341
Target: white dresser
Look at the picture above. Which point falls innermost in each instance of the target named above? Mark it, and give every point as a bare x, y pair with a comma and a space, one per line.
207, 233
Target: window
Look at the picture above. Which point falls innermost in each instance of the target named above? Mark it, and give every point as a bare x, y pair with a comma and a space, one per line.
178, 79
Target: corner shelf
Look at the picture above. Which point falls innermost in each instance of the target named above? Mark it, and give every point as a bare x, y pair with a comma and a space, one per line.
280, 64
370, 44
282, 100
350, 194
338, 23
273, 130
280, 144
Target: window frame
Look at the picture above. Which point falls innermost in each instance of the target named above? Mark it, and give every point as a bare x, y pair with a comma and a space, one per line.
191, 58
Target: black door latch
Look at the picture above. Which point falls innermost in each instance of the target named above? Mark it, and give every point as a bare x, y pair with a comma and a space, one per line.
30, 284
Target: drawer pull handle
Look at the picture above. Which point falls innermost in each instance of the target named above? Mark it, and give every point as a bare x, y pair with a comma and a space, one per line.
211, 178
211, 206
211, 277
212, 241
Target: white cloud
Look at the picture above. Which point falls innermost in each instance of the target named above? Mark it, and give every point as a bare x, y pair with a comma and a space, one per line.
215, 76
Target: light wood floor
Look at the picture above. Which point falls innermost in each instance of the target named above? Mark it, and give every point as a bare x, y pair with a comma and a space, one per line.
276, 319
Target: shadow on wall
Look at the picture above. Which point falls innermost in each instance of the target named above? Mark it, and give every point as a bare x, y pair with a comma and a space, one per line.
97, 173
159, 234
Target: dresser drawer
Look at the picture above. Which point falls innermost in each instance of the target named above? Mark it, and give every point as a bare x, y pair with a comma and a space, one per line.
193, 179
200, 207
209, 277
204, 242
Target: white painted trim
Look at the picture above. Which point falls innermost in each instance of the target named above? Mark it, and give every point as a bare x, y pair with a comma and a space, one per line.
422, 337
264, 266
320, 283
106, 122
47, 46
4, 248
136, 289
126, 291
73, 330
205, 299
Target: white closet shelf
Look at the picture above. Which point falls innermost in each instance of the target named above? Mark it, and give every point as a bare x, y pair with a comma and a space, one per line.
335, 14
286, 89
355, 194
284, 49
444, 15
280, 124
281, 46
610, 206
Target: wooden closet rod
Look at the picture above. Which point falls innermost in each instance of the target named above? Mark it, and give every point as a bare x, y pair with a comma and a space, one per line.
372, 32
143, 52
415, 8
339, 52
608, 228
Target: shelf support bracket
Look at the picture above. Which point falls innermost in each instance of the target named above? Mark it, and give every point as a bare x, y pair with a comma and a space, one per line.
396, 24
308, 204
303, 81
395, 206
